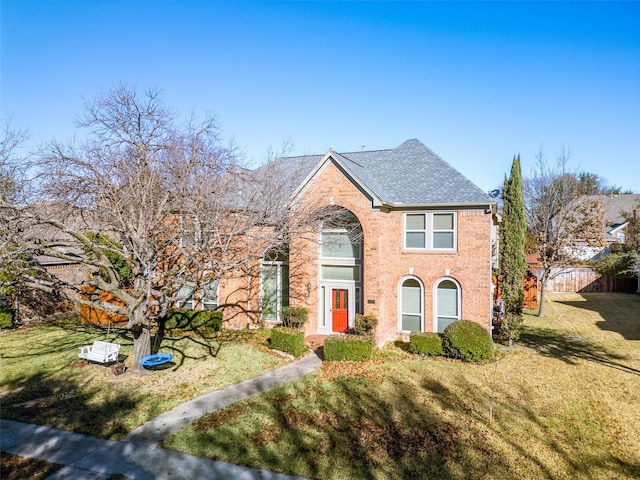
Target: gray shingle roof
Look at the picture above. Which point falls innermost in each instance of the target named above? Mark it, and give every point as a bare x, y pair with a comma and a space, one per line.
410, 174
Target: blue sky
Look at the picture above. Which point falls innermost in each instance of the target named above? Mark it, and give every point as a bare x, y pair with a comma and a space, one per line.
476, 82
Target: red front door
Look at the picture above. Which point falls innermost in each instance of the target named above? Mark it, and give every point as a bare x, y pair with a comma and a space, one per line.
340, 310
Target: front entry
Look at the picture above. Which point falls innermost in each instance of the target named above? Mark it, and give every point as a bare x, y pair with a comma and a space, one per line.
340, 310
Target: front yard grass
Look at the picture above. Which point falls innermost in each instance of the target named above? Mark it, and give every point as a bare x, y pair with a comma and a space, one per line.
562, 404
39, 384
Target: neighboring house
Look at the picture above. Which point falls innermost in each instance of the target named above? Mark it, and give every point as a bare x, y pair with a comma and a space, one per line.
574, 278
613, 208
411, 243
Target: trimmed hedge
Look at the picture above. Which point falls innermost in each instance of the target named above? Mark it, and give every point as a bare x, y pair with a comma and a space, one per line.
426, 343
185, 319
348, 347
6, 318
467, 341
288, 340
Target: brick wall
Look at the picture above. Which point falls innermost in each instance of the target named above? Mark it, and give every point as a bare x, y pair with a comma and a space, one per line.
385, 263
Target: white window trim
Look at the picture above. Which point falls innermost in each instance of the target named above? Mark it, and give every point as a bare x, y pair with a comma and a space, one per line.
435, 302
429, 231
399, 290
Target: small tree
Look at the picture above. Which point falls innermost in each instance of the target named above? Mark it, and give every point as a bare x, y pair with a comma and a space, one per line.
513, 264
561, 221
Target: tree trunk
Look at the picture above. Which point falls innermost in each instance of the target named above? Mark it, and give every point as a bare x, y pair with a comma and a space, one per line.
543, 288
141, 346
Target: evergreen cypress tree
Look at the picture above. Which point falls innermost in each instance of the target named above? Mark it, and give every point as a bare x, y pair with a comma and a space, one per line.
513, 263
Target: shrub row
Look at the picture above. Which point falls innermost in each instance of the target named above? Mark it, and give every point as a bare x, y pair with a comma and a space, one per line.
467, 341
463, 339
288, 340
185, 319
348, 347
426, 343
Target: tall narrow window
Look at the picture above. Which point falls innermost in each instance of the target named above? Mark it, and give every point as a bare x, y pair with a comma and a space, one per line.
447, 304
411, 305
274, 289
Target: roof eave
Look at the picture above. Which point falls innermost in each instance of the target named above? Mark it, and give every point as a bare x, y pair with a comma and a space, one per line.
417, 206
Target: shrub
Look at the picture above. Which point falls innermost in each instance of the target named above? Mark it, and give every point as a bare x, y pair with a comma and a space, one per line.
467, 341
348, 347
6, 318
288, 340
185, 319
294, 317
365, 324
426, 343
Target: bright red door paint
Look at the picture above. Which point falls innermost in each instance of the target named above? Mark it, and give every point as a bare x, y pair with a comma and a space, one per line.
340, 310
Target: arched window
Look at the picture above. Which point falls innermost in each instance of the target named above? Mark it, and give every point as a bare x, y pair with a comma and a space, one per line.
411, 305
447, 304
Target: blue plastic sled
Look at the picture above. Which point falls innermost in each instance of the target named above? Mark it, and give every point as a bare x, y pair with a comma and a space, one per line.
156, 359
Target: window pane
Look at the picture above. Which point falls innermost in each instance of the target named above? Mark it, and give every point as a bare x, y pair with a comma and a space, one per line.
185, 295
442, 239
411, 301
443, 221
447, 299
210, 295
416, 221
415, 240
323, 314
269, 292
443, 322
411, 323
340, 272
338, 244
284, 285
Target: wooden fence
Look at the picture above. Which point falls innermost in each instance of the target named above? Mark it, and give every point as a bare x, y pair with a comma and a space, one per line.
100, 317
585, 280
530, 290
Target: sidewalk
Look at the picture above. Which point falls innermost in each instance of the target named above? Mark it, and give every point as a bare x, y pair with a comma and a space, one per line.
138, 456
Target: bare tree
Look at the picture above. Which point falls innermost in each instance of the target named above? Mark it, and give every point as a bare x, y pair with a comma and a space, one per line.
12, 251
561, 221
130, 195
149, 205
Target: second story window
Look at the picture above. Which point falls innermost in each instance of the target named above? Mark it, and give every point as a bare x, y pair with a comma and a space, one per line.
430, 231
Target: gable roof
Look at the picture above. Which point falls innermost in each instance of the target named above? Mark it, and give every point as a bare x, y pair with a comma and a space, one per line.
408, 175
613, 206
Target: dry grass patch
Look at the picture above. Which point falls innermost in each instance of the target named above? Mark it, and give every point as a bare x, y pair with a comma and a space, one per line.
38, 383
561, 404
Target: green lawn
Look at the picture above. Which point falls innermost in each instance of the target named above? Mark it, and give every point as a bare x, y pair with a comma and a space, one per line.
562, 404
39, 384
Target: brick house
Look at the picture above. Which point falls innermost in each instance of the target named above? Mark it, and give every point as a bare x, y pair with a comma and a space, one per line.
420, 259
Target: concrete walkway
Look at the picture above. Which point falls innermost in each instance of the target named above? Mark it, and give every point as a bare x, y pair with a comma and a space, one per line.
138, 456
168, 423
